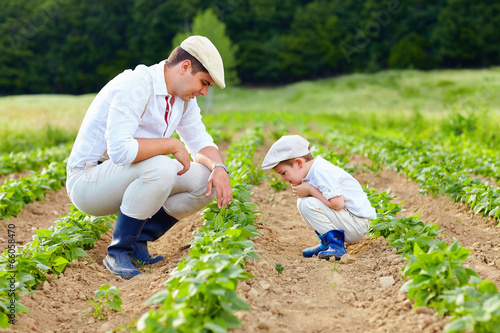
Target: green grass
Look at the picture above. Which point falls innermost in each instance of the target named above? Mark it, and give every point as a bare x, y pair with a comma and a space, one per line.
35, 112
389, 98
390, 91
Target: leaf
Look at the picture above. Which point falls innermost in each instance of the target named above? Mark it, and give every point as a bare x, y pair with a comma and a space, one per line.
60, 261
78, 252
158, 298
214, 327
458, 325
492, 304
115, 304
487, 287
238, 303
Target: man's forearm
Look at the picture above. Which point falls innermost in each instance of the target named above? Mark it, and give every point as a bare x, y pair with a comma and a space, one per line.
152, 147
208, 156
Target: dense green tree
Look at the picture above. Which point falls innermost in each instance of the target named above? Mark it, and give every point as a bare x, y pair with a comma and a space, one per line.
154, 24
256, 27
207, 24
468, 33
16, 34
70, 46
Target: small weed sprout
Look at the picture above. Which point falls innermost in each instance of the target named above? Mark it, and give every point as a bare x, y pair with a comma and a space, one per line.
143, 265
279, 268
335, 267
105, 297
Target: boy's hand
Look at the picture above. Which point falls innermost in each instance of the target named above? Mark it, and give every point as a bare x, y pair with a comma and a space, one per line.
302, 190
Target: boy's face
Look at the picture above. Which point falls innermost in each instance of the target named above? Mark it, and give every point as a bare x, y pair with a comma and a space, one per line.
292, 173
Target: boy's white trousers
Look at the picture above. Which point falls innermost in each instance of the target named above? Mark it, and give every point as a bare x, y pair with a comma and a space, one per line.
139, 190
321, 218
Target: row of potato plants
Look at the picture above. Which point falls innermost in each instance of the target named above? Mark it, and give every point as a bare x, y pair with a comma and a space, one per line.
16, 193
200, 295
435, 175
473, 157
32, 159
23, 268
463, 151
437, 277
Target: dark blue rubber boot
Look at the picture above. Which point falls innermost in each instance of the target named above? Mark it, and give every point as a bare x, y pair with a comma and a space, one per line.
154, 228
335, 241
125, 233
313, 251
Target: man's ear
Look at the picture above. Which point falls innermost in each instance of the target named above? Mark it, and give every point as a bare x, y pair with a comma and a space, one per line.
185, 66
300, 162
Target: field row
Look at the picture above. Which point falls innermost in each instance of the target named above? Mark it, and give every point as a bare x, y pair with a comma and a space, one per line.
410, 236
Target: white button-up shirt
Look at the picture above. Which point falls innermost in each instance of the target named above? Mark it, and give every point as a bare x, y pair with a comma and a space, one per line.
132, 106
333, 181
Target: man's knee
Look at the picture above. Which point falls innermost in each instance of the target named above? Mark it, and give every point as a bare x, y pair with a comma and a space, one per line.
158, 168
198, 179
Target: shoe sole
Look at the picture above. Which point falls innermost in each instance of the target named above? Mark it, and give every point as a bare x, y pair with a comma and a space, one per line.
327, 257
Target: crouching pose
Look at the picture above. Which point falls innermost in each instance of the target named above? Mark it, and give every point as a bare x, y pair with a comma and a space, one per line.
119, 163
330, 200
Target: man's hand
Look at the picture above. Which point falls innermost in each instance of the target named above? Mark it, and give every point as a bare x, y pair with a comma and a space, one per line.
219, 179
181, 154
152, 147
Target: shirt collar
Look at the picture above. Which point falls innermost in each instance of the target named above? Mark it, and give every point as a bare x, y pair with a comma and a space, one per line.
309, 173
159, 85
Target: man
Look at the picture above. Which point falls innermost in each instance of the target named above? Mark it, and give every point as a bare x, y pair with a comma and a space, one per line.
119, 165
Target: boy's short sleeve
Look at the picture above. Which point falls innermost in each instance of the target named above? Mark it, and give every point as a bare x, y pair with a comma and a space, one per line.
328, 184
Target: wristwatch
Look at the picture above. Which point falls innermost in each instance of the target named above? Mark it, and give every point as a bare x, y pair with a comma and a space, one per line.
222, 166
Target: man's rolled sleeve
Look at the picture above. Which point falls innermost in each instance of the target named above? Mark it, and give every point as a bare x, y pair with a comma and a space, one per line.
128, 101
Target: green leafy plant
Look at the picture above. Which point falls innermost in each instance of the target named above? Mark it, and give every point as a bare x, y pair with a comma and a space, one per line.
34, 159
200, 295
279, 268
15, 194
49, 253
433, 272
277, 184
105, 297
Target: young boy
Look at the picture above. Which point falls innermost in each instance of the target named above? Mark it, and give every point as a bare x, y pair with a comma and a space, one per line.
330, 200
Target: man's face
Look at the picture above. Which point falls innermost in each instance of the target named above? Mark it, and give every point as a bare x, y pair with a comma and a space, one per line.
191, 86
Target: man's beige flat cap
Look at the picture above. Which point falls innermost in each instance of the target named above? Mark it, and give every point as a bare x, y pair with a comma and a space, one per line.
202, 49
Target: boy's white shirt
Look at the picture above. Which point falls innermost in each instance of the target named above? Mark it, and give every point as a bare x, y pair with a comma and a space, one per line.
333, 181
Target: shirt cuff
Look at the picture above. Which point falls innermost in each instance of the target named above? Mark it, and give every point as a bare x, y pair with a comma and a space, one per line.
328, 194
133, 150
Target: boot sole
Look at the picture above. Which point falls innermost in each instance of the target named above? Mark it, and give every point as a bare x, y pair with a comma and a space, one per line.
327, 257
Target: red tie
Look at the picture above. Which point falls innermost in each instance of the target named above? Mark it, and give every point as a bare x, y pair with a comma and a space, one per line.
166, 111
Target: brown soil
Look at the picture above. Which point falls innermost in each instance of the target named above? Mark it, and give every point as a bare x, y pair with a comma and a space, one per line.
358, 294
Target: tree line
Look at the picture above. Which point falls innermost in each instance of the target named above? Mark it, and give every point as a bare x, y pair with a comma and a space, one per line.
70, 46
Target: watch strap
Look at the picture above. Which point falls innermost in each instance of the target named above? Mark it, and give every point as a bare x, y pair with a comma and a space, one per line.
222, 166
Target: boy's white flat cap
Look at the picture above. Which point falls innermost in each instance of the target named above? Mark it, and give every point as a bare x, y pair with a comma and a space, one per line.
205, 52
287, 147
